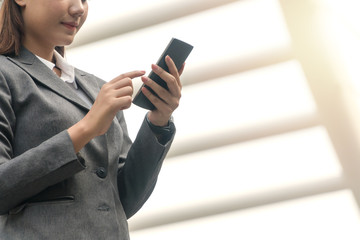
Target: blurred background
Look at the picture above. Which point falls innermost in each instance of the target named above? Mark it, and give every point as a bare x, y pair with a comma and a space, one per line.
267, 143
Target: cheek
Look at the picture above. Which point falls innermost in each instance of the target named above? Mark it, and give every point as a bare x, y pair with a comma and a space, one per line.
32, 24
82, 21
38, 18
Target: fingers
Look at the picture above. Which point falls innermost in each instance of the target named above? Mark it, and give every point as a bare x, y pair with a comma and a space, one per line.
182, 69
114, 95
163, 95
123, 102
117, 93
163, 99
122, 85
171, 78
130, 75
173, 70
159, 103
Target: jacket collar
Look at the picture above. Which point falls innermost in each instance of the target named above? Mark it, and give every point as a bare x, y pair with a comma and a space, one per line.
41, 73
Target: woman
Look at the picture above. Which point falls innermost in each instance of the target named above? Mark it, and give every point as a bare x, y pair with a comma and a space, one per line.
68, 169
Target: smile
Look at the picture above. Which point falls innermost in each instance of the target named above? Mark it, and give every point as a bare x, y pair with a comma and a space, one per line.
71, 26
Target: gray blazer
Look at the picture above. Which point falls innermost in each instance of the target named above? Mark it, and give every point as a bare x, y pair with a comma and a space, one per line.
47, 191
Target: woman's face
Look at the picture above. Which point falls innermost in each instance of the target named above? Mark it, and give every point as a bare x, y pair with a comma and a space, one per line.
50, 23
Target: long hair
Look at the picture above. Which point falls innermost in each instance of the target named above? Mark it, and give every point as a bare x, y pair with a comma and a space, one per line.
12, 29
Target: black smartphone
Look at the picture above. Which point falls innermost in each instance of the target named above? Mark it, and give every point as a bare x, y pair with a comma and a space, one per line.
178, 51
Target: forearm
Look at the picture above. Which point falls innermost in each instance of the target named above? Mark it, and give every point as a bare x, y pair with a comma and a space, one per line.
137, 178
80, 134
36, 169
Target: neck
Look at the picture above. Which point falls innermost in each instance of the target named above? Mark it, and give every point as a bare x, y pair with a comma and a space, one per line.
43, 52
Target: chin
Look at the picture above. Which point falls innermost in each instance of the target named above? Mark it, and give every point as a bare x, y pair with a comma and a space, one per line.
67, 42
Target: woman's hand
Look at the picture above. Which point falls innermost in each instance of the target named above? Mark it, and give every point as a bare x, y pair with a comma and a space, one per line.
167, 100
114, 96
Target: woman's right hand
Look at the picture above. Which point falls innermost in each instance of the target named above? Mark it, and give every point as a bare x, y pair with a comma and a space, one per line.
114, 96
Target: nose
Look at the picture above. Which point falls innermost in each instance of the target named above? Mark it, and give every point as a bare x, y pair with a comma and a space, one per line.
77, 8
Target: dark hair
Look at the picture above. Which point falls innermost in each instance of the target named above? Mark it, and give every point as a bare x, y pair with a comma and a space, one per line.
12, 29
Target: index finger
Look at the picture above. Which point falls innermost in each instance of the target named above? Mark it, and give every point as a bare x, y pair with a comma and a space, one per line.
132, 74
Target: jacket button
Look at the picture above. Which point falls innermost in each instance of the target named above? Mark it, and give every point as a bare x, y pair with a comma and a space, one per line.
101, 172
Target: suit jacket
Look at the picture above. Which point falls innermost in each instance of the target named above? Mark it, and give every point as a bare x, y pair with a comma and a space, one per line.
47, 191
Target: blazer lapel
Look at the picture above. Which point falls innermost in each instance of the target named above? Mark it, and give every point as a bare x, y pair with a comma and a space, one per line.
41, 73
87, 84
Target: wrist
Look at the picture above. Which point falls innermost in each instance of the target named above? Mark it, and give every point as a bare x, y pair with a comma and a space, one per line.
162, 133
80, 134
158, 126
158, 122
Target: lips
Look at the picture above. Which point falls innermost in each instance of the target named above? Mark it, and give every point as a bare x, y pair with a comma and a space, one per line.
71, 25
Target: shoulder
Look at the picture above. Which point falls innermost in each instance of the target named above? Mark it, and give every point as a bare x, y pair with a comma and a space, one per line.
8, 63
8, 68
11, 69
4, 62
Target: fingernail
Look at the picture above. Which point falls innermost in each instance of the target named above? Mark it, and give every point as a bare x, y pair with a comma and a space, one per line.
155, 67
167, 58
144, 90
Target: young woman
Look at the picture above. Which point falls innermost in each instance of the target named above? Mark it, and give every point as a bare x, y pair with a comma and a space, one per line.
68, 169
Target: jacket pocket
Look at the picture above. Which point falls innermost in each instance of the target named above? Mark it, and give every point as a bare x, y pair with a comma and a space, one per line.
56, 200
59, 199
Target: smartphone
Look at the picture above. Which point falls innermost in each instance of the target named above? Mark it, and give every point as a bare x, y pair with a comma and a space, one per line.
178, 51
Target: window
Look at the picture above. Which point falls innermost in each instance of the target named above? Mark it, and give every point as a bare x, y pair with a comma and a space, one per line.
257, 153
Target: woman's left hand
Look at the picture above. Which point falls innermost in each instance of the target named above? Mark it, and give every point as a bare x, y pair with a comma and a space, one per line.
167, 100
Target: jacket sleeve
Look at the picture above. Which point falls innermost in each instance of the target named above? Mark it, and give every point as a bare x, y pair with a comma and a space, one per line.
24, 176
138, 176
